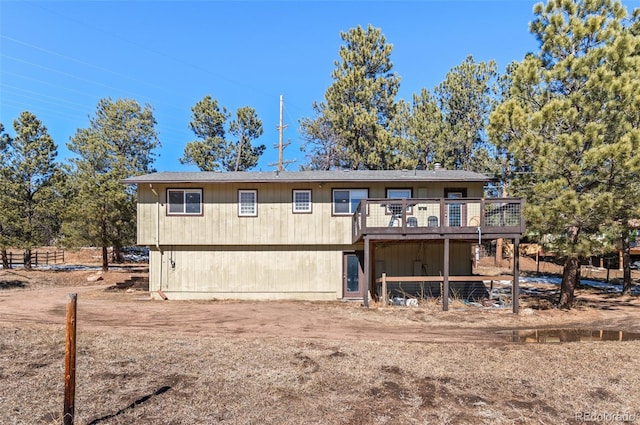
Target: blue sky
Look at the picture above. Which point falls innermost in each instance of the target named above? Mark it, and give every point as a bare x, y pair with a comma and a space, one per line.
58, 58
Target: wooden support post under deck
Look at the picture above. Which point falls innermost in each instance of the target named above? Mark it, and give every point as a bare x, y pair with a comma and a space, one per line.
445, 277
383, 296
515, 290
367, 272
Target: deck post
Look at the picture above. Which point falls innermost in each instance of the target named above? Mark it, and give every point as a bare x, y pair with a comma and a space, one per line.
445, 277
367, 273
515, 290
385, 302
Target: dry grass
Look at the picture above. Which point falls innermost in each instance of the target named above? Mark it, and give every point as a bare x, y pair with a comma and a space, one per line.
132, 377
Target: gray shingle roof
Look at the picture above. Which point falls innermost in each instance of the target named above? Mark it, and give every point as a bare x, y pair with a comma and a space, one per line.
309, 176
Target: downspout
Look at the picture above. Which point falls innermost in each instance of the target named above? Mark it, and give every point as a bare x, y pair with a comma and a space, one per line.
477, 253
158, 236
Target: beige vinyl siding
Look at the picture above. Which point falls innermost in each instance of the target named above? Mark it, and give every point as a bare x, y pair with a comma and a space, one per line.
272, 272
278, 254
241, 272
275, 223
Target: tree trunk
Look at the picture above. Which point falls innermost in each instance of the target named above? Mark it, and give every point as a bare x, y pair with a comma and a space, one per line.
27, 259
626, 263
105, 251
105, 259
239, 154
570, 279
116, 254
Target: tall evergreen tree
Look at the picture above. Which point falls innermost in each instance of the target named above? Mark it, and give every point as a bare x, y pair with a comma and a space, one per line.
30, 179
322, 145
8, 214
421, 131
208, 124
621, 116
118, 143
213, 151
466, 98
561, 121
246, 127
360, 104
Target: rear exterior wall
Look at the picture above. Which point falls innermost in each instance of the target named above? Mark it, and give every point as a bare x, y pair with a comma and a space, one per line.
275, 223
278, 254
247, 272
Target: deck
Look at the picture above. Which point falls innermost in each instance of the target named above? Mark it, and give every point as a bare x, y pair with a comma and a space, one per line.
442, 218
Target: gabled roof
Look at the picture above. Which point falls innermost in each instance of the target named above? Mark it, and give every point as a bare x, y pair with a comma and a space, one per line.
438, 175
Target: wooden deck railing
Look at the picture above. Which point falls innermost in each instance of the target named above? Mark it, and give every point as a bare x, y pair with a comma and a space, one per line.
384, 280
435, 218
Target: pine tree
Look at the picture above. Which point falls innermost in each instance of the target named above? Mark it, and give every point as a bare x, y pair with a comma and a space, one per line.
321, 145
208, 124
246, 127
8, 214
620, 172
421, 131
30, 179
359, 105
213, 151
118, 143
564, 123
466, 98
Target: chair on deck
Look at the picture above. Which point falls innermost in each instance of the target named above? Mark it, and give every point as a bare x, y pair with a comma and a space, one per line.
412, 222
432, 221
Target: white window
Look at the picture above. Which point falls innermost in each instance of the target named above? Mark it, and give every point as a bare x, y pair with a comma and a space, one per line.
399, 193
396, 209
345, 201
184, 201
247, 203
301, 201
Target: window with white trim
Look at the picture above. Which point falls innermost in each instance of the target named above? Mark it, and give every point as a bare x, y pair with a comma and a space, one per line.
396, 209
345, 201
302, 201
247, 203
184, 201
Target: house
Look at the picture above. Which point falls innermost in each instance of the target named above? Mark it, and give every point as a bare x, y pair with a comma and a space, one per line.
315, 235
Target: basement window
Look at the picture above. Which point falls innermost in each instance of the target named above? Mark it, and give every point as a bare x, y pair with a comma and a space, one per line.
184, 201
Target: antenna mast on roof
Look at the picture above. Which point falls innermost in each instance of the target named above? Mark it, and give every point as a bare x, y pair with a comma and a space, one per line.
281, 145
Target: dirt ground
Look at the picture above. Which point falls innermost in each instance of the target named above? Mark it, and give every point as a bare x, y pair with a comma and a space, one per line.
39, 297
162, 362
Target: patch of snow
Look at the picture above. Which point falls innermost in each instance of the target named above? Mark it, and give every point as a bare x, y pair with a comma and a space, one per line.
136, 258
76, 267
556, 281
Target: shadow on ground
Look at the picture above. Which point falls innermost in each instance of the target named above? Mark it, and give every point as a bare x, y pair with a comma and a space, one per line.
132, 405
11, 284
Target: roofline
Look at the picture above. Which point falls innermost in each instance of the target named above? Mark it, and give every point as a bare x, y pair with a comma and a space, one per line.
356, 176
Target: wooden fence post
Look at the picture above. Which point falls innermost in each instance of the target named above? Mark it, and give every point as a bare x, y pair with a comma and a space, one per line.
70, 360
